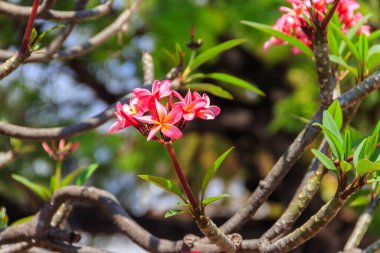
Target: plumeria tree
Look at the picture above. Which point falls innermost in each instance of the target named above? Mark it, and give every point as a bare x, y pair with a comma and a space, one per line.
331, 33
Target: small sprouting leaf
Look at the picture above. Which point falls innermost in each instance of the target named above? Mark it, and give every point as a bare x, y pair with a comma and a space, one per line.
22, 220
335, 144
212, 199
273, 32
331, 124
86, 174
340, 61
324, 160
365, 166
163, 183
214, 51
39, 189
71, 176
3, 218
33, 35
345, 166
211, 171
39, 38
360, 200
336, 112
210, 88
235, 81
347, 144
173, 212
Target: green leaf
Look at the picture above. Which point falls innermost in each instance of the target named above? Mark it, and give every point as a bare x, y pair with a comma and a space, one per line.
340, 61
71, 176
374, 35
42, 35
366, 166
336, 112
210, 200
346, 41
210, 88
211, 171
214, 51
42, 191
235, 81
324, 160
173, 212
16, 144
345, 166
363, 47
360, 200
23, 220
3, 218
374, 180
336, 145
163, 183
86, 174
347, 144
333, 43
373, 57
358, 154
273, 32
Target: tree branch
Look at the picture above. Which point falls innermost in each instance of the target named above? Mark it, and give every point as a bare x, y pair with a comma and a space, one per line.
44, 12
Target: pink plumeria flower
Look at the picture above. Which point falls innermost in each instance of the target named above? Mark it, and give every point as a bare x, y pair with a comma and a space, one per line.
163, 122
189, 105
59, 153
208, 112
159, 90
125, 115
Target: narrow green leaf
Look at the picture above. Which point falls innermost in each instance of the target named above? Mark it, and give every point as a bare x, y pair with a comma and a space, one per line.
346, 41
324, 160
340, 61
366, 166
23, 220
173, 212
273, 32
212, 199
354, 30
42, 191
86, 174
71, 176
214, 51
163, 183
371, 145
360, 200
333, 43
347, 144
374, 180
211, 171
235, 81
358, 154
336, 145
345, 166
3, 218
336, 112
373, 57
210, 88
374, 35
329, 123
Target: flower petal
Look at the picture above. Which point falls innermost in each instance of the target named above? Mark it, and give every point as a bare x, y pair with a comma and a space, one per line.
147, 119
161, 111
115, 127
189, 116
174, 115
171, 131
153, 131
165, 88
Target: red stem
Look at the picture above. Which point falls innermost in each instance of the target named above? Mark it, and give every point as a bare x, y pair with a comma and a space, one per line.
181, 176
351, 157
25, 41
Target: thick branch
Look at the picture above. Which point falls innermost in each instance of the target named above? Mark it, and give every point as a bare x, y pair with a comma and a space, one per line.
17, 11
374, 247
293, 153
362, 225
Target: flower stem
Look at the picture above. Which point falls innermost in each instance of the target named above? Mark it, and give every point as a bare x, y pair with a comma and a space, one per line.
57, 175
181, 176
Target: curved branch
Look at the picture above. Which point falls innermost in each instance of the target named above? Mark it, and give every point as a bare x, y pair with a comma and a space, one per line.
44, 12
293, 153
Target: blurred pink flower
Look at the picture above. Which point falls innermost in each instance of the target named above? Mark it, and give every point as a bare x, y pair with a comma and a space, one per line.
189, 105
293, 21
159, 91
59, 153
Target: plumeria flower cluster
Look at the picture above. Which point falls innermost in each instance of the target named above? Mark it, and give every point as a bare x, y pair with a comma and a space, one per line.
293, 21
59, 153
162, 113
